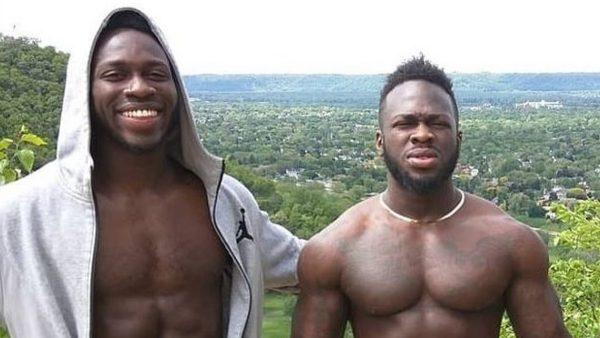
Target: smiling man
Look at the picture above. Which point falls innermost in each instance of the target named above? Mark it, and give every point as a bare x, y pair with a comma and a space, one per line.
134, 231
423, 258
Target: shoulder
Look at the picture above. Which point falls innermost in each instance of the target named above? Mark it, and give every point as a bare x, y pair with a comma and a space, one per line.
488, 215
235, 188
237, 193
39, 184
230, 182
320, 262
355, 220
325, 252
525, 247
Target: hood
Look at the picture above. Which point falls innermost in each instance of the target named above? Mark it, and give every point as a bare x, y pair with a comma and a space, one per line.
73, 151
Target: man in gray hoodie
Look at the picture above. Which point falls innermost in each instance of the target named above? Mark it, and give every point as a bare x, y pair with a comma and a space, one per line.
134, 230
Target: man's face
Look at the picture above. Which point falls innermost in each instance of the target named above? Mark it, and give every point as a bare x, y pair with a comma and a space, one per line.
418, 137
133, 92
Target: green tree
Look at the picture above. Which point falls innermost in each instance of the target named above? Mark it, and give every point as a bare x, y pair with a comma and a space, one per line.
575, 270
577, 278
577, 193
17, 156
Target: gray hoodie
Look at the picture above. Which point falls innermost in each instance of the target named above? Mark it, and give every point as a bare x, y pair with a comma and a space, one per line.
48, 229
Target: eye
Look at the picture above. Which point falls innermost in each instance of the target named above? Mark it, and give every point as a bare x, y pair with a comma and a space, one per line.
158, 75
113, 75
403, 124
441, 124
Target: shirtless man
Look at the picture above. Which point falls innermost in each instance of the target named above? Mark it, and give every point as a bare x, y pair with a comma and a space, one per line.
153, 274
134, 231
424, 259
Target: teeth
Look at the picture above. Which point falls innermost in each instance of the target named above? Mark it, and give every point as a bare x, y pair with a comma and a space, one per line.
140, 113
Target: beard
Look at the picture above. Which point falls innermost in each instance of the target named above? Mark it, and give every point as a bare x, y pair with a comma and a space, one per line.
100, 130
424, 185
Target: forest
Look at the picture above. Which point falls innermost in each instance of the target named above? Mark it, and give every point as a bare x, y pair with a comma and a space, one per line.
304, 145
335, 83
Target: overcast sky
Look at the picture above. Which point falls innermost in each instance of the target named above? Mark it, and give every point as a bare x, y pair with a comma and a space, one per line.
336, 36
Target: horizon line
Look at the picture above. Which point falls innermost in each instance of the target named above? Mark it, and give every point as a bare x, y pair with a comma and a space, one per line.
385, 74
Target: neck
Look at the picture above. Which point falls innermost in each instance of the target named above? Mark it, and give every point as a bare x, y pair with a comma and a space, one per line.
119, 168
423, 207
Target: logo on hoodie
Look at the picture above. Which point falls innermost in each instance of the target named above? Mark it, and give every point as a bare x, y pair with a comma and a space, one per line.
242, 231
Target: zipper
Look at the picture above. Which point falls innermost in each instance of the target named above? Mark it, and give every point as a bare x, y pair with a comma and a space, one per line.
94, 251
226, 245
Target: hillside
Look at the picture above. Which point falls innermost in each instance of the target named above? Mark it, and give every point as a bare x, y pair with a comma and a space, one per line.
571, 89
31, 88
335, 83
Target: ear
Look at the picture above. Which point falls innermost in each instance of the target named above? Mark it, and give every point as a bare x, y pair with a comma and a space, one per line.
459, 139
379, 142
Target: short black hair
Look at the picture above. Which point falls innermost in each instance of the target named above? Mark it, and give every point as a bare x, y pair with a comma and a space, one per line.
418, 68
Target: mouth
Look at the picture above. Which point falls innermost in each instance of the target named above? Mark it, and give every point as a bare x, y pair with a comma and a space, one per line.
139, 113
142, 121
423, 158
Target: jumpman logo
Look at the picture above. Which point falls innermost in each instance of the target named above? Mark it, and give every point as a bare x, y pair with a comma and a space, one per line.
242, 231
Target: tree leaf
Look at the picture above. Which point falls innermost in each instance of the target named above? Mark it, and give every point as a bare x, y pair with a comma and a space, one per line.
33, 139
3, 164
9, 175
5, 143
26, 157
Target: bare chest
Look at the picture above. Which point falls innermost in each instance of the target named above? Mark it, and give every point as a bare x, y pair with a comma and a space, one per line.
154, 249
390, 272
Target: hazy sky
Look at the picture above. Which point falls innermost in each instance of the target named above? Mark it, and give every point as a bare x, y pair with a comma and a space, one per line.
336, 36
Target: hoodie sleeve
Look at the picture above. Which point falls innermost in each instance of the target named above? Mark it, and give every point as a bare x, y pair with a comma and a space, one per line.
2, 320
280, 251
278, 248
2, 254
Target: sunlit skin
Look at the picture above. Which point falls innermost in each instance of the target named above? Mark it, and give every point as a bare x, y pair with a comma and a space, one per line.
128, 75
159, 262
428, 278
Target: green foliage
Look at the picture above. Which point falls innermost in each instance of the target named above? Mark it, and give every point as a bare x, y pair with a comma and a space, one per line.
575, 273
277, 315
506, 155
337, 83
506, 330
31, 86
308, 209
521, 204
583, 221
303, 209
277, 322
577, 193
17, 157
578, 283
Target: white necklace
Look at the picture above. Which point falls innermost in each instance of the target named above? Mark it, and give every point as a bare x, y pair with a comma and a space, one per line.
412, 220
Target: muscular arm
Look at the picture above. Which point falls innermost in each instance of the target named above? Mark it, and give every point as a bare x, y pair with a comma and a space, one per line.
532, 304
321, 311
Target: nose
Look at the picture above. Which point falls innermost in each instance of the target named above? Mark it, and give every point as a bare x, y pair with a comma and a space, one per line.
139, 87
422, 134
